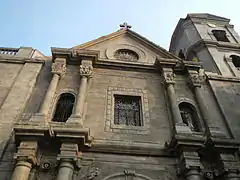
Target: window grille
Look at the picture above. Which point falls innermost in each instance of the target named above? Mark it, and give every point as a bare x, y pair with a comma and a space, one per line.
64, 107
127, 110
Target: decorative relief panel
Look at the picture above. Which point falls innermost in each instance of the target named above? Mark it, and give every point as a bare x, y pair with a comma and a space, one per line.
122, 128
126, 55
125, 52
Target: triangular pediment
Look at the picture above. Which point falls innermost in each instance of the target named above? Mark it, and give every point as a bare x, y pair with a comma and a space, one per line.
124, 44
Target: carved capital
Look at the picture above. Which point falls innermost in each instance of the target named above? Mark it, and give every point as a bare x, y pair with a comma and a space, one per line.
168, 77
86, 70
69, 152
230, 163
59, 66
27, 151
189, 160
196, 79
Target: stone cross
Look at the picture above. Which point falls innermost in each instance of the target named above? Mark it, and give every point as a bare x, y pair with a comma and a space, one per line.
125, 26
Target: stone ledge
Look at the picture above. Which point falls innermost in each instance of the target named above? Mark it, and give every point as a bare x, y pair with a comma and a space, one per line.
129, 147
19, 60
61, 131
222, 78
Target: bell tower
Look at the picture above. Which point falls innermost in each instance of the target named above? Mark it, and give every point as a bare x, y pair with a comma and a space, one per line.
209, 39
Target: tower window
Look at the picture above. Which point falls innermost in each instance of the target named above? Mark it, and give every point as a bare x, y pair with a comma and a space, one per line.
189, 116
220, 35
181, 54
64, 107
127, 110
236, 61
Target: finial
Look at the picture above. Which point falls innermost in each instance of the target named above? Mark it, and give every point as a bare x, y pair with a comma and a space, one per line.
125, 26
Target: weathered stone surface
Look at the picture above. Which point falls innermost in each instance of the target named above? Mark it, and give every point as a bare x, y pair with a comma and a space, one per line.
164, 147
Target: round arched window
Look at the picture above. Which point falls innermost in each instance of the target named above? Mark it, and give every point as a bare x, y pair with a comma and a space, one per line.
126, 55
64, 107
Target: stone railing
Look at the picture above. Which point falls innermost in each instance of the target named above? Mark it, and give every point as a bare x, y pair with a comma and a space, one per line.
8, 51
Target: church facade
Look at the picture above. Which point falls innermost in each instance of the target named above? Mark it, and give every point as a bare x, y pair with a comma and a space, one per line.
121, 107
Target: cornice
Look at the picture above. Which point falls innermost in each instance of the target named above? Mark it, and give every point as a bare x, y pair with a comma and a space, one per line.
19, 60
73, 55
190, 65
30, 130
167, 63
222, 78
137, 148
212, 43
123, 64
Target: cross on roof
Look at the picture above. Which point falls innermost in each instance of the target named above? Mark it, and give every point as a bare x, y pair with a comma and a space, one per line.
125, 26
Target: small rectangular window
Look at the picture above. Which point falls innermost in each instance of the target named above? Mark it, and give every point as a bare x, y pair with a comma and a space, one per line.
127, 110
220, 35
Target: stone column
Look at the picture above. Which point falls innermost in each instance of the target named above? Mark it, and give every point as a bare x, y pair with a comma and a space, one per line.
58, 69
169, 81
196, 80
26, 158
190, 165
68, 159
86, 71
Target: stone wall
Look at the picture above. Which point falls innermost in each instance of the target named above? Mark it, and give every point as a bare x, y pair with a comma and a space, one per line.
228, 97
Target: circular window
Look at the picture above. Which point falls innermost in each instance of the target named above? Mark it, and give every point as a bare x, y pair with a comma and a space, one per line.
126, 55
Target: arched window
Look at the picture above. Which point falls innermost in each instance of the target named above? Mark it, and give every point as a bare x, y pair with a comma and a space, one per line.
235, 61
181, 54
64, 107
189, 116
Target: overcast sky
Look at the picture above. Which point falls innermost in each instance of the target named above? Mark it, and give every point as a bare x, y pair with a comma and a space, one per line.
42, 24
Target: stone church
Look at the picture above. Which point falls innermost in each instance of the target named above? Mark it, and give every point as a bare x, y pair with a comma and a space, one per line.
121, 107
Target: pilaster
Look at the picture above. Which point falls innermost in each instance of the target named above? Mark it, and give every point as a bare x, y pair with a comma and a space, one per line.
180, 127
196, 81
86, 72
58, 70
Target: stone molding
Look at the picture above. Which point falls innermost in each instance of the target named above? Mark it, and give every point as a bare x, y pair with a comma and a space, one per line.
213, 43
222, 78
62, 131
109, 123
27, 151
59, 66
19, 60
138, 148
86, 70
